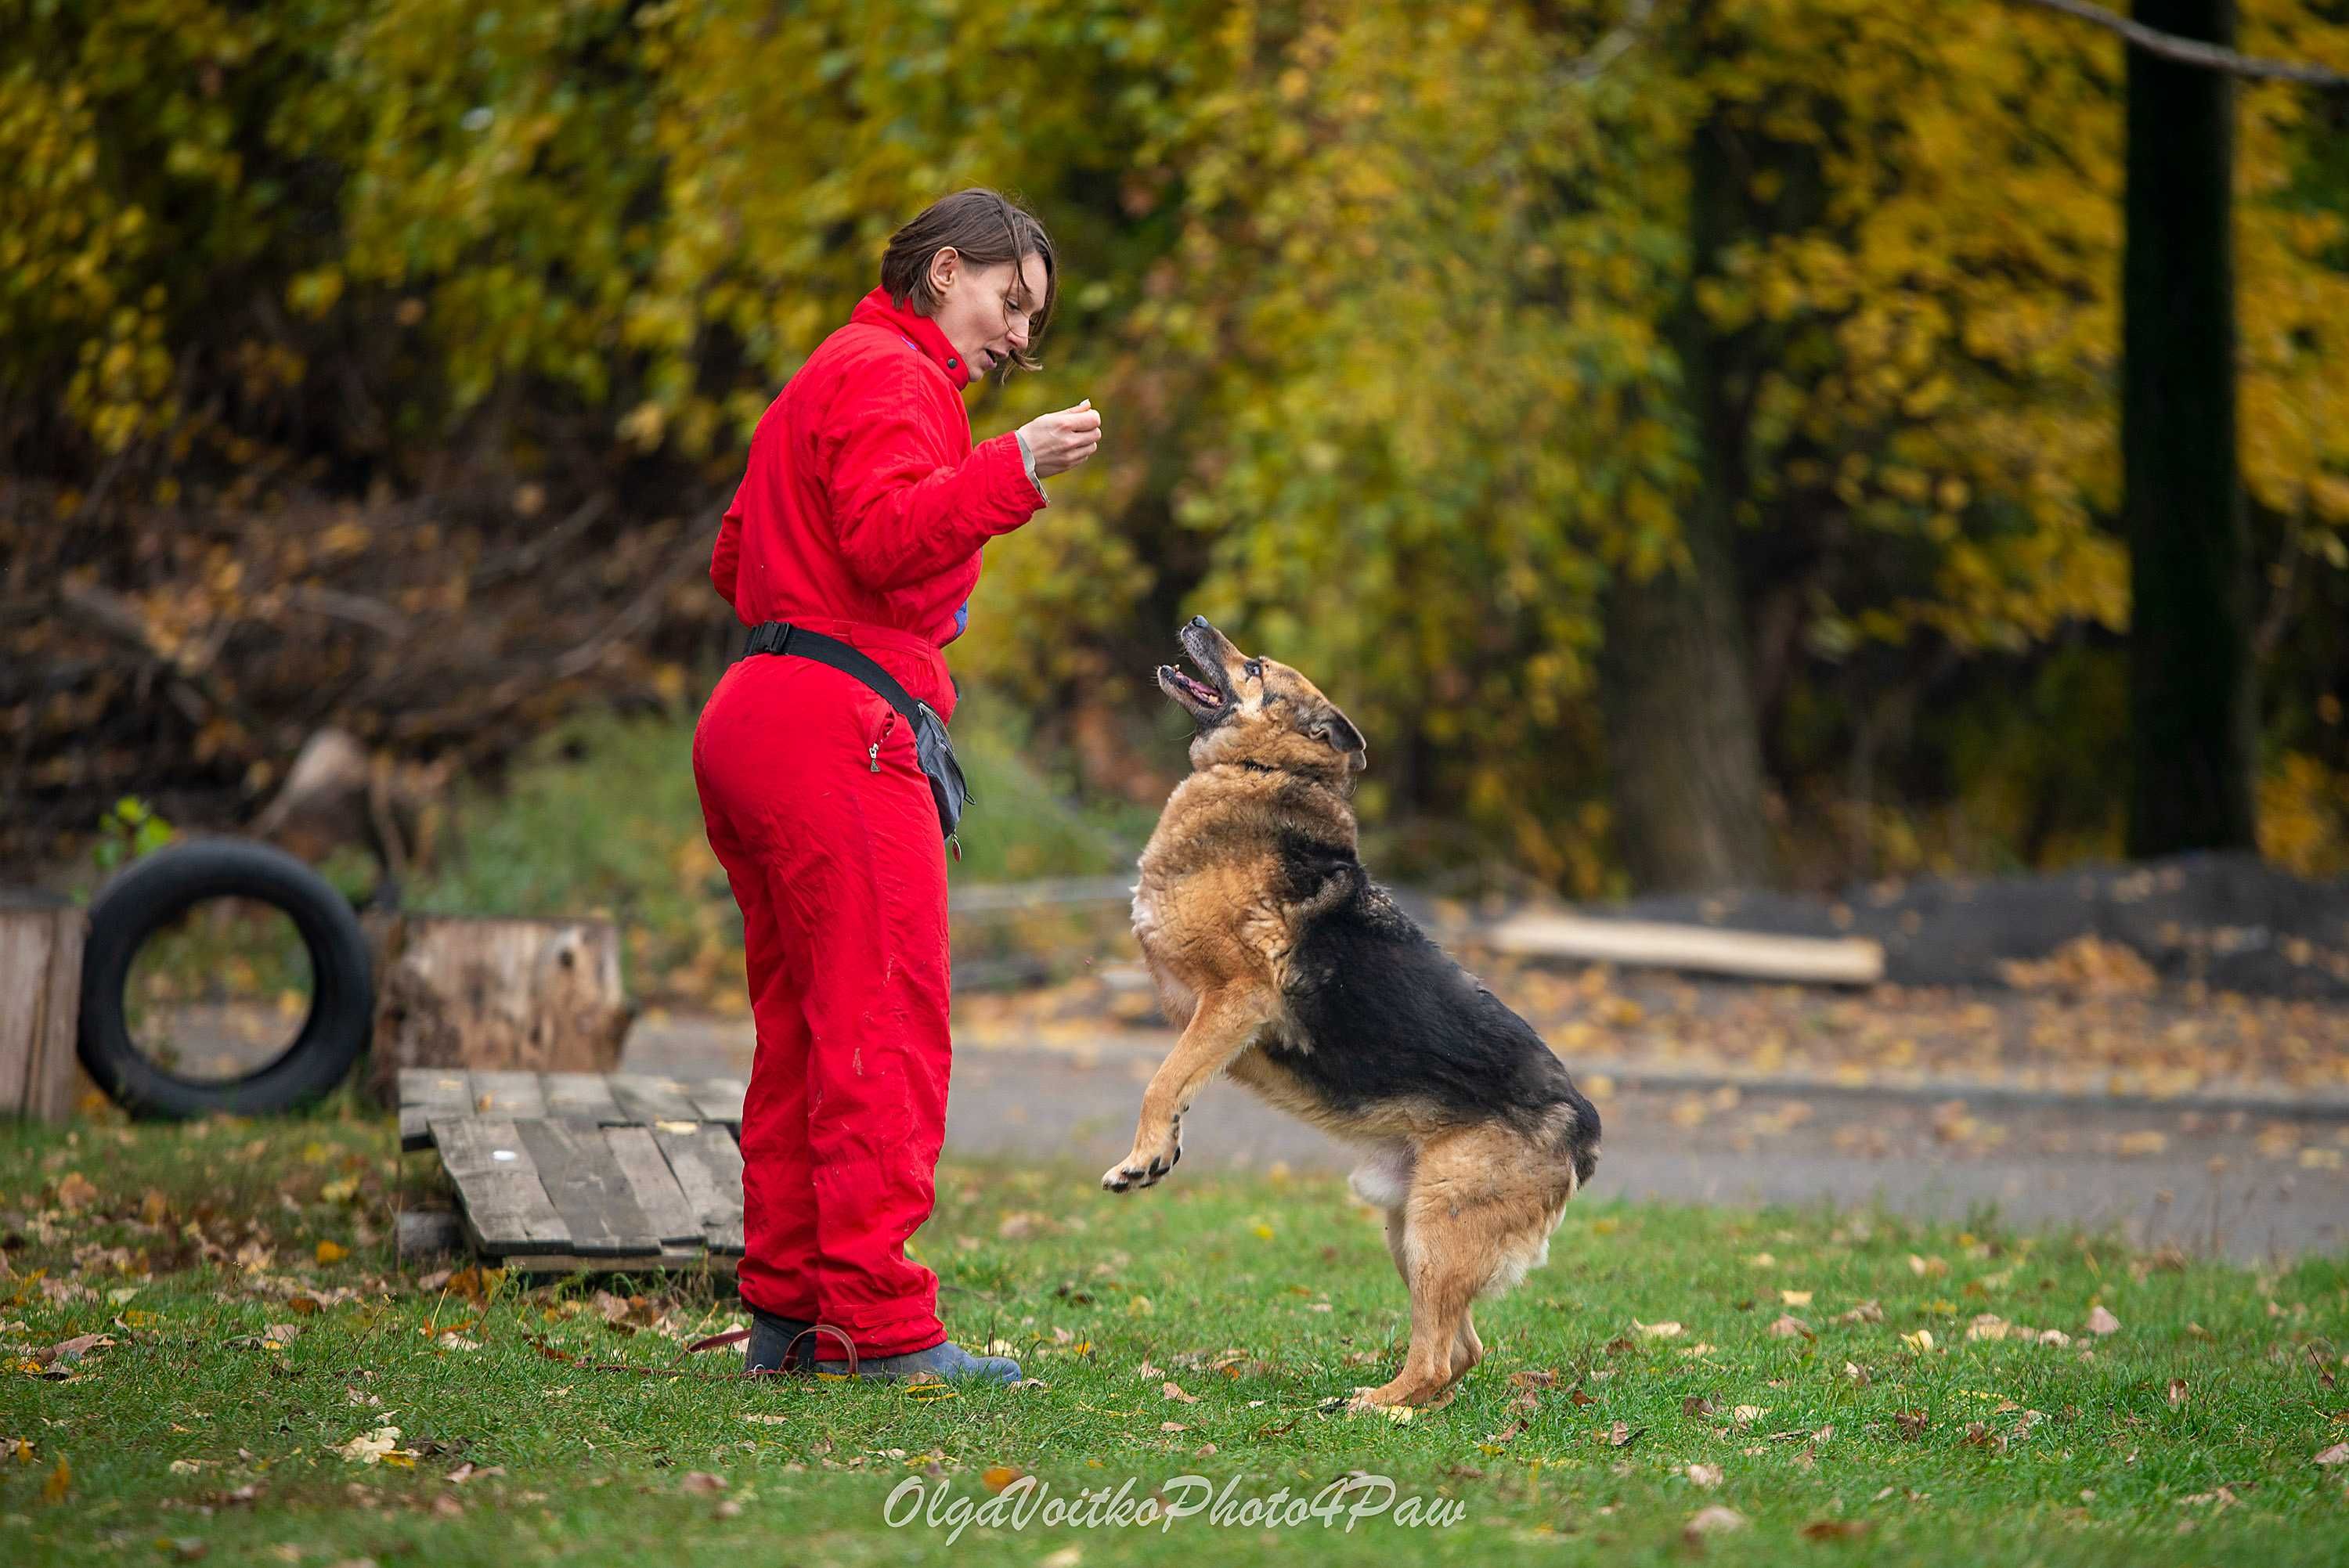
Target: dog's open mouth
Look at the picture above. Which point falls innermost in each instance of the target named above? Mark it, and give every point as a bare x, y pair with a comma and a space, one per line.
1204, 699
1196, 691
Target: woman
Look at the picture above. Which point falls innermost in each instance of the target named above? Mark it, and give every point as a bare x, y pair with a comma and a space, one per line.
860, 518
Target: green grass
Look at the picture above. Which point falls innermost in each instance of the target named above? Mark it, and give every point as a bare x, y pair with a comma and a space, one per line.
1260, 1297
601, 816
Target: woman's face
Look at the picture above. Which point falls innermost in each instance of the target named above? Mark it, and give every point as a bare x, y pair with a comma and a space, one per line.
985, 311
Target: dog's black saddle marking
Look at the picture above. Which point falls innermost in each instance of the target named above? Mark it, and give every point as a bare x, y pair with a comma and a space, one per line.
1384, 1013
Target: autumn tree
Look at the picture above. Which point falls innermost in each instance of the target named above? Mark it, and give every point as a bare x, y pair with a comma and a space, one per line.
1684, 739
380, 360
2193, 716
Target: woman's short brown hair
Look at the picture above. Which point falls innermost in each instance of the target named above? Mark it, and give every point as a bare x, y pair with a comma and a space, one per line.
986, 229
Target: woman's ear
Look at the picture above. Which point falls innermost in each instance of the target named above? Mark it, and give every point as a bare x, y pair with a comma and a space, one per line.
943, 267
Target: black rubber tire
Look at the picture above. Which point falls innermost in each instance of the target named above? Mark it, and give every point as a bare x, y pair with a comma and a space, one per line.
155, 888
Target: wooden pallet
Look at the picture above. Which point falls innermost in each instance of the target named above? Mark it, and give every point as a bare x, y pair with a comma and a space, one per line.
607, 1099
586, 1169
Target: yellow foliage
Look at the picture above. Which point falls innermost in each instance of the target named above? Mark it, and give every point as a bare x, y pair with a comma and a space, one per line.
2303, 813
1386, 302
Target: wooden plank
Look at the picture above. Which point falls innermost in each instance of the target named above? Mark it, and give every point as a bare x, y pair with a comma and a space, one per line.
516, 1095
673, 1260
581, 1096
49, 1090
654, 1184
708, 1166
27, 935
587, 1188
40, 1003
506, 1207
430, 1094
647, 1099
1832, 961
426, 1232
721, 1100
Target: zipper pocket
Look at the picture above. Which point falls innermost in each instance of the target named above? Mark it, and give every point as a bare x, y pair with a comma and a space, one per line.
873, 752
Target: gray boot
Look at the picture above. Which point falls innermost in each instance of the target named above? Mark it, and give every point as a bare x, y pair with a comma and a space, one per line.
944, 1359
771, 1337
791, 1345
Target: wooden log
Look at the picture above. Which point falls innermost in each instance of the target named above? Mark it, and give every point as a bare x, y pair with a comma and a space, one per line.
522, 995
1837, 961
40, 1003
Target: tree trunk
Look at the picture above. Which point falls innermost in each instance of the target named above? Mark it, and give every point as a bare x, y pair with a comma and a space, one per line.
1684, 747
2192, 721
40, 1004
530, 995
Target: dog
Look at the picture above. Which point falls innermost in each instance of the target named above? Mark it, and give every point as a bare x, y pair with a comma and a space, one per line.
1286, 966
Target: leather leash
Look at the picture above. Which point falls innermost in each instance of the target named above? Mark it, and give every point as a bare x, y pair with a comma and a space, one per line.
791, 1366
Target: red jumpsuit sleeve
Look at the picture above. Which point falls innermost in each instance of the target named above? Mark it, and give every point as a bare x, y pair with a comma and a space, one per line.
727, 557
902, 509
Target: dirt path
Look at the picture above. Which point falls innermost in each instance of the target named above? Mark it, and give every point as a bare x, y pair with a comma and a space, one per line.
2251, 1183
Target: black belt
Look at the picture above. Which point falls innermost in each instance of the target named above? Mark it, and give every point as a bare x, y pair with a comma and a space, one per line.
931, 747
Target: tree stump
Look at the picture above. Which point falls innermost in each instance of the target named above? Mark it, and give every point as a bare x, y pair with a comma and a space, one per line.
40, 1003
530, 996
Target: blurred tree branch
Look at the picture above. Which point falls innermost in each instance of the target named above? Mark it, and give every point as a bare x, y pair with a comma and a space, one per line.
2193, 52
1613, 44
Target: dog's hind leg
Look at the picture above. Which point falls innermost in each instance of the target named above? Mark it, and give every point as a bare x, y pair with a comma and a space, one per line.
1469, 1227
1467, 1349
1396, 1221
1440, 1294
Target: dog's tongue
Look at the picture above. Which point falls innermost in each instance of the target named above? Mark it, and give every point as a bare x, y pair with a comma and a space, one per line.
1198, 689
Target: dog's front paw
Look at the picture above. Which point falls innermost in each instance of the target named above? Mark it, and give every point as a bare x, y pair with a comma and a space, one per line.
1147, 1165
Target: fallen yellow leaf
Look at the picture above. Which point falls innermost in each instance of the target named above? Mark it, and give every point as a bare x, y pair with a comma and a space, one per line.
1713, 1520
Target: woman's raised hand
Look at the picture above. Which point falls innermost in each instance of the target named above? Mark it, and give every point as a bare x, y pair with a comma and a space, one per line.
1059, 442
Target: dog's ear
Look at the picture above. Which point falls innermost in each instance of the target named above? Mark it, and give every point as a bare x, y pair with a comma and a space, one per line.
1335, 730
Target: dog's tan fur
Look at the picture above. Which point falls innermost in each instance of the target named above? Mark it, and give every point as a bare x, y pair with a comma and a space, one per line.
1470, 1198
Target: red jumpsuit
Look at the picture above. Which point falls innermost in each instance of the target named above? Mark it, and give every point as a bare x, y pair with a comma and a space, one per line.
861, 515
